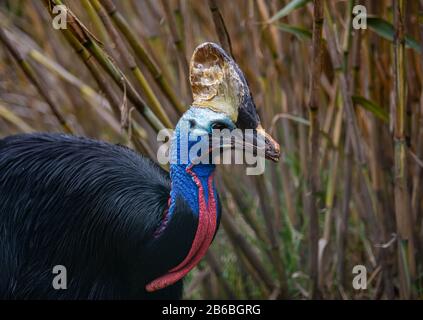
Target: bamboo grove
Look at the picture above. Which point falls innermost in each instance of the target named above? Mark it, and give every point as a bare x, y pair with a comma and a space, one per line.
345, 103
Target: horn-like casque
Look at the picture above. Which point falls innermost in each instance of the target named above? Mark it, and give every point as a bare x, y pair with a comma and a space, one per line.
218, 83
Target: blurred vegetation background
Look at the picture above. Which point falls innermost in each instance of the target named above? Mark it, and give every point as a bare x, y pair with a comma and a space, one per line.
345, 104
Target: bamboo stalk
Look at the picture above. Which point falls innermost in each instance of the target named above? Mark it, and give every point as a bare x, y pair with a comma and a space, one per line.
87, 92
8, 115
34, 79
214, 265
177, 41
342, 226
418, 188
369, 197
406, 256
237, 238
131, 64
272, 233
313, 169
105, 86
343, 220
219, 24
142, 54
95, 19
85, 38
359, 165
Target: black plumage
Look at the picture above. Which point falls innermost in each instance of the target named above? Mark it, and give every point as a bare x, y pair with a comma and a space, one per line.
91, 206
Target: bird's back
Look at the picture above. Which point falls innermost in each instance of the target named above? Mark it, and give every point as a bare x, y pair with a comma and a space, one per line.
84, 204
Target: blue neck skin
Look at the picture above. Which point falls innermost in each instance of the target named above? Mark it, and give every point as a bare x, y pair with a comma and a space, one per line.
182, 182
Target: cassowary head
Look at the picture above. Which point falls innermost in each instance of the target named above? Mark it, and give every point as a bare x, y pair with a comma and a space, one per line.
222, 100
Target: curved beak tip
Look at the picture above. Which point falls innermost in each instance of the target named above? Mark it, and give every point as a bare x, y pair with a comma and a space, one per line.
273, 151
272, 148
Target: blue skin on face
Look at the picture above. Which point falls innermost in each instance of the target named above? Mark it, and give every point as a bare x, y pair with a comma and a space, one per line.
196, 122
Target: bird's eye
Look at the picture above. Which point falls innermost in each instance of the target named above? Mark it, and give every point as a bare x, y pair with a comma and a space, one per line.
192, 123
219, 125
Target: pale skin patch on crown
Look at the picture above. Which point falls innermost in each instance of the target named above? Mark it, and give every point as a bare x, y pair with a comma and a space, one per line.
215, 81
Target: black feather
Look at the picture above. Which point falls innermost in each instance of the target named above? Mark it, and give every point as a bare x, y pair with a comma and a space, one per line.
92, 207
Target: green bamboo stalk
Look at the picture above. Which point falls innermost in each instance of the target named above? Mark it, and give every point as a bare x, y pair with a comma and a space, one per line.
131, 64
85, 38
243, 205
34, 79
95, 19
89, 62
142, 53
139, 134
9, 116
87, 92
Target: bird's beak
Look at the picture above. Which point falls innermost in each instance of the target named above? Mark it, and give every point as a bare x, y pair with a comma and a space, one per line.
272, 149
253, 141
258, 142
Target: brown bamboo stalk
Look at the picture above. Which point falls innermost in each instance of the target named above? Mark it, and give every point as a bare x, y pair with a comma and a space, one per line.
313, 169
34, 79
406, 256
269, 218
417, 193
270, 36
367, 193
106, 88
219, 24
236, 237
131, 64
142, 53
12, 118
96, 21
343, 220
83, 35
373, 90
342, 226
243, 205
215, 267
177, 41
249, 271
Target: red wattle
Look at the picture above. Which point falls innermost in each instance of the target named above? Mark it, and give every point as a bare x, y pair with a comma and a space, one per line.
206, 229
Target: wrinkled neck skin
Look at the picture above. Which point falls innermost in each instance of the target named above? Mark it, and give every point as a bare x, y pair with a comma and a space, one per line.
194, 183
185, 175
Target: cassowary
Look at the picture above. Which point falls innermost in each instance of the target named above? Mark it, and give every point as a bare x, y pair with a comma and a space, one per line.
122, 226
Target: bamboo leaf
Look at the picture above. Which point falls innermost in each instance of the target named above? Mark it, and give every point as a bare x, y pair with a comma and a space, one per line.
371, 106
386, 30
291, 6
300, 32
